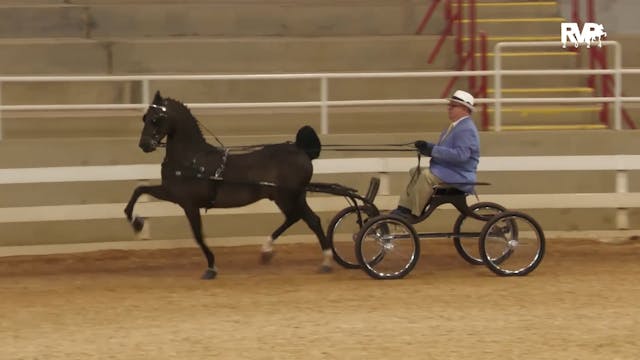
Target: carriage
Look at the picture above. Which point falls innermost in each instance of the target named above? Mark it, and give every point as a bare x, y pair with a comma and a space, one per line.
387, 246
196, 175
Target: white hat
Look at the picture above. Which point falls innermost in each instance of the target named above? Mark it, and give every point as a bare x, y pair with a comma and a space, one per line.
463, 98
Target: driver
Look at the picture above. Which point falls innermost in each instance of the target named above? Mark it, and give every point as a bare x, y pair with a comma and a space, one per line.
454, 159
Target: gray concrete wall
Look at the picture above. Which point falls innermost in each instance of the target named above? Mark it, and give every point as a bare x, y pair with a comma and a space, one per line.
110, 19
212, 55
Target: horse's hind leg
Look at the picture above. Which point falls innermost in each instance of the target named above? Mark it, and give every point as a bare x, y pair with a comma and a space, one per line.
193, 214
266, 253
158, 191
292, 216
313, 221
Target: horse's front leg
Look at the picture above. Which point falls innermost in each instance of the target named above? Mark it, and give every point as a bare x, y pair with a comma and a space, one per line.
193, 214
157, 191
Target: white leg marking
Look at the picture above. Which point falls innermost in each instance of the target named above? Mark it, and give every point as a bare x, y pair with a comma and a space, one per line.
268, 245
328, 258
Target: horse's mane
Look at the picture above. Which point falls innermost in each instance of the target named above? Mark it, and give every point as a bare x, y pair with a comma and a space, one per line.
186, 113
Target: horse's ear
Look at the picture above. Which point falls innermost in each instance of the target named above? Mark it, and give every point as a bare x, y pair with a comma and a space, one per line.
157, 99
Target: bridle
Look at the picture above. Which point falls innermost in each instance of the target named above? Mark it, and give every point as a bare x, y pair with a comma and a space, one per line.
163, 108
156, 139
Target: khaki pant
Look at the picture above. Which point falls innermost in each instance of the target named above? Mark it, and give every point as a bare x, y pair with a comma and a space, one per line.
418, 190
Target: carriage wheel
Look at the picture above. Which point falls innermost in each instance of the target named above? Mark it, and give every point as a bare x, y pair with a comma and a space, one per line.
467, 246
342, 232
512, 243
387, 247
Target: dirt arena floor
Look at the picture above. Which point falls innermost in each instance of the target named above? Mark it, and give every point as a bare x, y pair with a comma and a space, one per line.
583, 302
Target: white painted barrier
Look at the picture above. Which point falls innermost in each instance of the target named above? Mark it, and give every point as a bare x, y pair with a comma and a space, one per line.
619, 198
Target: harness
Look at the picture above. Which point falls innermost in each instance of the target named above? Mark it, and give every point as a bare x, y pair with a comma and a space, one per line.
193, 170
201, 171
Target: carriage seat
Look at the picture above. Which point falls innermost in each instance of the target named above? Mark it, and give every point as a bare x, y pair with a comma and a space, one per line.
449, 188
442, 194
443, 191
447, 194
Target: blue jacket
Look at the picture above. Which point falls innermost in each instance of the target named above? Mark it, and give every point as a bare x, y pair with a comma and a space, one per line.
455, 158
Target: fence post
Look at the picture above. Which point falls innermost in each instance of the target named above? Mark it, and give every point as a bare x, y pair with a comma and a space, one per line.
622, 187
144, 95
324, 107
617, 87
483, 80
497, 87
1, 110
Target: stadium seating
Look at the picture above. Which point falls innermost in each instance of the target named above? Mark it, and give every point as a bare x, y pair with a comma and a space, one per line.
198, 37
100, 37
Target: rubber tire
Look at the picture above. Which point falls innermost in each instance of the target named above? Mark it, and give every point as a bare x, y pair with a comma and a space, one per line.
458, 224
495, 267
369, 211
370, 271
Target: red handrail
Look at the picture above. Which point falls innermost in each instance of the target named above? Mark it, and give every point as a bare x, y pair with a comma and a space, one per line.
450, 19
472, 42
427, 16
598, 59
575, 12
459, 43
463, 59
593, 53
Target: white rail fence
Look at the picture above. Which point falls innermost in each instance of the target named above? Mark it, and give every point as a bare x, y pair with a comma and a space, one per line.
324, 78
619, 198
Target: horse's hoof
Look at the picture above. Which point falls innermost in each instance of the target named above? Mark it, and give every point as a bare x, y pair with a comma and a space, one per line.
266, 256
325, 269
137, 223
209, 274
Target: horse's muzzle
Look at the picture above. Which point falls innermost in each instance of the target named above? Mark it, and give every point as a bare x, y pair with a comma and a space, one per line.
147, 144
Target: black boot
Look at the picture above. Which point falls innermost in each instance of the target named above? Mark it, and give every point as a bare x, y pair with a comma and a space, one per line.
405, 214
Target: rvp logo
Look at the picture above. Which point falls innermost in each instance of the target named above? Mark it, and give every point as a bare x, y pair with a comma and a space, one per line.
591, 32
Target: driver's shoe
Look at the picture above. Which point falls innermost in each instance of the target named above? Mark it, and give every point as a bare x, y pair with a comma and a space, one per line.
405, 214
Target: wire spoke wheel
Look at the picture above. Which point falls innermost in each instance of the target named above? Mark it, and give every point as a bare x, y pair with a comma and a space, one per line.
387, 247
342, 232
467, 245
512, 243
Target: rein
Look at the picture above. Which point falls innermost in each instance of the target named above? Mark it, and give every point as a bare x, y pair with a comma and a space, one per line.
326, 147
367, 147
210, 133
404, 147
335, 147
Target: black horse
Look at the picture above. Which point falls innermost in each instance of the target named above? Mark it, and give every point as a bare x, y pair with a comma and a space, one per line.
198, 175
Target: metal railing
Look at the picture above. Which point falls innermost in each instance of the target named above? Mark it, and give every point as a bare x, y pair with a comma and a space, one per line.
617, 72
324, 78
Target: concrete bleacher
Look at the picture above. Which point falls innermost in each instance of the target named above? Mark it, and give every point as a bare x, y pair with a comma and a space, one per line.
397, 53
57, 37
138, 37
125, 19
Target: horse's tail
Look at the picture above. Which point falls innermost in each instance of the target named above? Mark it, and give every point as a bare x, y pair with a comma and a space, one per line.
308, 141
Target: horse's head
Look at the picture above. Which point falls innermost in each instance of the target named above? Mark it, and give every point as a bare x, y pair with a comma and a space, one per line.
156, 124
